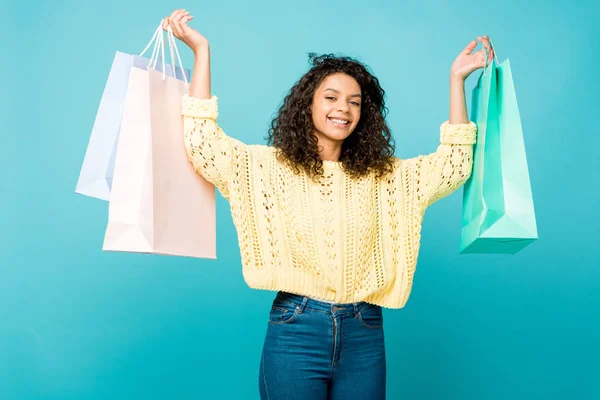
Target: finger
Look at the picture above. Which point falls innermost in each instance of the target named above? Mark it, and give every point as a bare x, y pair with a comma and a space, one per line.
478, 59
177, 31
184, 21
181, 14
177, 24
165, 23
183, 27
470, 47
485, 41
175, 15
171, 18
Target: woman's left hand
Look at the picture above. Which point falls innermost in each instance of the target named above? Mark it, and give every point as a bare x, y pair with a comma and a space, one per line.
467, 62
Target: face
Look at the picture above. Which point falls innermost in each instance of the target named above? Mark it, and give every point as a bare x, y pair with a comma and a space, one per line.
336, 108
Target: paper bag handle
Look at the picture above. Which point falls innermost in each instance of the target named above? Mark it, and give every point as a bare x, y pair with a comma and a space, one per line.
173, 46
486, 55
159, 48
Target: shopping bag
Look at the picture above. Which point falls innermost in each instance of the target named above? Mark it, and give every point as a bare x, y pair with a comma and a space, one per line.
96, 174
498, 212
158, 203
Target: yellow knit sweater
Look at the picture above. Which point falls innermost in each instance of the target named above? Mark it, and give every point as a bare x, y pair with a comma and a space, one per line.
344, 240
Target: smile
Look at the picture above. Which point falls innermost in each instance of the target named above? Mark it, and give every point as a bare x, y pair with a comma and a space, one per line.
339, 123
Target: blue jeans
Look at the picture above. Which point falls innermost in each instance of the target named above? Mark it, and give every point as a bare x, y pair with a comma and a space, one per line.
319, 351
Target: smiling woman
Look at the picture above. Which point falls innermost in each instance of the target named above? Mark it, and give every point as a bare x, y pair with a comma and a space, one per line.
336, 112
326, 215
304, 131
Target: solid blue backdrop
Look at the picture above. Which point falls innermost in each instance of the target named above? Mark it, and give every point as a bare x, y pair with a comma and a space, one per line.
79, 323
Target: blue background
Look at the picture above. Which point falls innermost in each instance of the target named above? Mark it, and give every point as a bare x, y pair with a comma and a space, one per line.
79, 323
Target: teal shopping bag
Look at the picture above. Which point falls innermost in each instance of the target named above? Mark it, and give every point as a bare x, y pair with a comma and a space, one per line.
498, 213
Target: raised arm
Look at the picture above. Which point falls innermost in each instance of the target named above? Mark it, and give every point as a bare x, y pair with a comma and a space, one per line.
212, 153
200, 85
439, 174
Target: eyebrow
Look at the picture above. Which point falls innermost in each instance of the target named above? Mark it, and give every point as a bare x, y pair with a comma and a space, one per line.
337, 91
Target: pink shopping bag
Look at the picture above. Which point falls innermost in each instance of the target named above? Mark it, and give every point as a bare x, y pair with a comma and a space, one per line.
158, 203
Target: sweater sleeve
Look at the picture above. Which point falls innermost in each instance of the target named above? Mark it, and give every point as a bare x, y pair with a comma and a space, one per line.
438, 174
211, 152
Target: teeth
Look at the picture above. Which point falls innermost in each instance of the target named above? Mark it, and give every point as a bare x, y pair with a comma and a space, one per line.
338, 121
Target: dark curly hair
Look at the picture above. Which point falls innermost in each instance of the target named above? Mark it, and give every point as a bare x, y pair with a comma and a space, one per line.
369, 148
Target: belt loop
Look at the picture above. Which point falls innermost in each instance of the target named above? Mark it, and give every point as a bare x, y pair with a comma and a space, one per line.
356, 311
303, 305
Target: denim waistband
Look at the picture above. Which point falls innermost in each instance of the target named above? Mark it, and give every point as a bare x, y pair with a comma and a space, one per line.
304, 302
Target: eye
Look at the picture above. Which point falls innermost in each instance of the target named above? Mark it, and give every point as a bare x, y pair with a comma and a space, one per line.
355, 103
330, 98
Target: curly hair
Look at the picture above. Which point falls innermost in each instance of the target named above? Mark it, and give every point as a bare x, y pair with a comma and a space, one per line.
369, 148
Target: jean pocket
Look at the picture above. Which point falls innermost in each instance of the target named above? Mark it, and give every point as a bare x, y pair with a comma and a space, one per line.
371, 317
283, 313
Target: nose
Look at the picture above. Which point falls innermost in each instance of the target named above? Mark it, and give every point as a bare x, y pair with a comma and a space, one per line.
343, 107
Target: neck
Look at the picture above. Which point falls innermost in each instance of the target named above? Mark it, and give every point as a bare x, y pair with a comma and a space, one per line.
330, 155
329, 150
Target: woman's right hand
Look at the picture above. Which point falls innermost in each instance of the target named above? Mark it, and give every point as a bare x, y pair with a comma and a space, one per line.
178, 21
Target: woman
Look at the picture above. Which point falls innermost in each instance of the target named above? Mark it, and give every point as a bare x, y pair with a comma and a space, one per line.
326, 215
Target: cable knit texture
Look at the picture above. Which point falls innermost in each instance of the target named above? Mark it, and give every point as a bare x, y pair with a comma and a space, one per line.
342, 239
